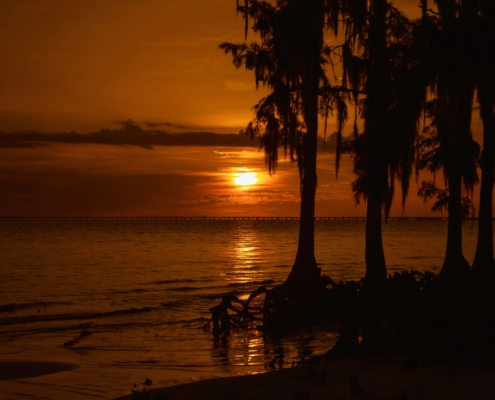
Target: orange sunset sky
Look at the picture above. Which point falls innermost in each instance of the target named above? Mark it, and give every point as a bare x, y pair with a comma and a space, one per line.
84, 65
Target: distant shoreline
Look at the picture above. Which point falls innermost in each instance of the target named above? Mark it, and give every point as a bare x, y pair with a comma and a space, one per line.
219, 218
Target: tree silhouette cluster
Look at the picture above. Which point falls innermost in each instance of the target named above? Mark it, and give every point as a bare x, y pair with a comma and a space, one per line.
412, 85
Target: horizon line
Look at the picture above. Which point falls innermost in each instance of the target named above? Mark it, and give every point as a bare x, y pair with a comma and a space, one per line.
218, 218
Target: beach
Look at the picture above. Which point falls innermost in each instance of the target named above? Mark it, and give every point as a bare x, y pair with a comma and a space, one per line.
382, 378
378, 378
10, 370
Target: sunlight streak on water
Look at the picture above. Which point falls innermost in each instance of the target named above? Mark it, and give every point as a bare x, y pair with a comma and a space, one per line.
246, 256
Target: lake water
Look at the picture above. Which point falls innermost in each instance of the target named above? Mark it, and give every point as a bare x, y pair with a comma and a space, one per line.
143, 290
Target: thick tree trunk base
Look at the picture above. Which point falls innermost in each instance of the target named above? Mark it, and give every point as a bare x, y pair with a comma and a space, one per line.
456, 266
295, 303
483, 266
305, 279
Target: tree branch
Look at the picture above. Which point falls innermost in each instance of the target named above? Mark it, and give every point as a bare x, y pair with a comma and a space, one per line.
430, 10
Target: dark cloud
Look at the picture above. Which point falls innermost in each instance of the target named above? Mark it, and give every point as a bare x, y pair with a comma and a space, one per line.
132, 134
154, 125
129, 134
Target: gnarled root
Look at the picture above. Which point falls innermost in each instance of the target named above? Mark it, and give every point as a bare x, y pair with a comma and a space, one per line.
223, 321
281, 309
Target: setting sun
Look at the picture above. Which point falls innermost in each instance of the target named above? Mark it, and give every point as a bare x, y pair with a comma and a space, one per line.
246, 178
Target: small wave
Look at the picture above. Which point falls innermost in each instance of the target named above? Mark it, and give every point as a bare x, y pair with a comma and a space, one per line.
219, 295
109, 349
265, 282
229, 285
174, 303
13, 307
139, 290
187, 288
68, 317
193, 299
16, 333
196, 321
417, 257
169, 281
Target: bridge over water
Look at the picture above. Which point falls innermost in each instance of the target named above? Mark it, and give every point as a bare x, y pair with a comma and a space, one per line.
205, 218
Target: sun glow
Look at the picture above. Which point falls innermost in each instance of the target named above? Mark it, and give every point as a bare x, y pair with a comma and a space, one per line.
245, 178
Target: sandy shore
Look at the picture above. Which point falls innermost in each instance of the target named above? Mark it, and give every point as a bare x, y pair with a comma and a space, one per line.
29, 369
382, 378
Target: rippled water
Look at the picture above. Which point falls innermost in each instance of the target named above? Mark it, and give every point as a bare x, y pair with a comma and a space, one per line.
143, 290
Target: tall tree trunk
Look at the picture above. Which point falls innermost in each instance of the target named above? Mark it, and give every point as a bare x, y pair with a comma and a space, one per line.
455, 128
305, 275
483, 260
376, 271
375, 127
377, 178
375, 278
454, 263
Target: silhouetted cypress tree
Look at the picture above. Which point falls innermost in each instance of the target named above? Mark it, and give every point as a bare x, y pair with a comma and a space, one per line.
483, 261
452, 51
380, 57
289, 61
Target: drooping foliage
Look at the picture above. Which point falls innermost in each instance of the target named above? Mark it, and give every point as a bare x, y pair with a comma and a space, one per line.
429, 191
380, 59
291, 33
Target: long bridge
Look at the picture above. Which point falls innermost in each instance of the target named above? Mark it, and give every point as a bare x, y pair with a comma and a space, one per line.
206, 218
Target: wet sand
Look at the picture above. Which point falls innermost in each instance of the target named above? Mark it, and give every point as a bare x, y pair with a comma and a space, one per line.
29, 369
382, 378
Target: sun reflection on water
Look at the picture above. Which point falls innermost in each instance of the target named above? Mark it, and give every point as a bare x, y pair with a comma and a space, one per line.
246, 254
252, 349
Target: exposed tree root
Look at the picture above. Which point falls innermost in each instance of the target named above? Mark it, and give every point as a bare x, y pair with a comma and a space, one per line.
223, 321
422, 315
280, 310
